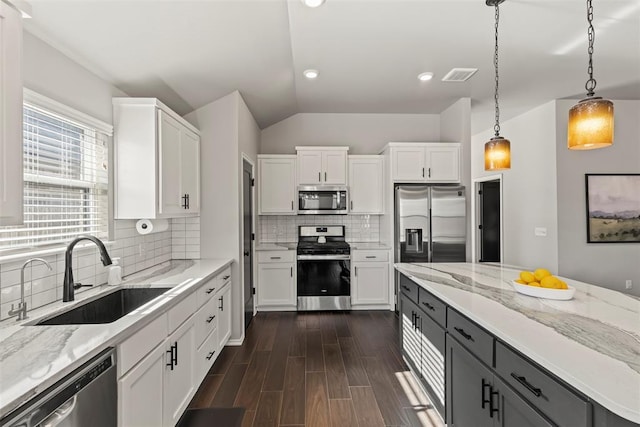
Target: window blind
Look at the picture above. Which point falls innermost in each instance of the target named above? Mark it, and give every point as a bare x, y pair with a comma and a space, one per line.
65, 181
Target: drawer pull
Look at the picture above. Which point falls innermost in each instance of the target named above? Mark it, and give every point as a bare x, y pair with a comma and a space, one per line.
225, 277
464, 334
484, 399
211, 355
527, 384
406, 288
429, 306
273, 257
210, 319
370, 257
492, 409
416, 327
210, 290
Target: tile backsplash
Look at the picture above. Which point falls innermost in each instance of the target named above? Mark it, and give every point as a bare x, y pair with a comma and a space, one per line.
136, 252
284, 228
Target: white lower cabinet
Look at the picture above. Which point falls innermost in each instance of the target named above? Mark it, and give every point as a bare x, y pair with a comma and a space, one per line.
370, 278
276, 280
179, 373
224, 315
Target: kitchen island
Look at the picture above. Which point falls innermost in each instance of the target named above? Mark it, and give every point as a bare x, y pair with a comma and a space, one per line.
591, 343
33, 358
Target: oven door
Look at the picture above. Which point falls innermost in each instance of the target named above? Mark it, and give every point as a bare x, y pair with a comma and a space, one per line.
324, 282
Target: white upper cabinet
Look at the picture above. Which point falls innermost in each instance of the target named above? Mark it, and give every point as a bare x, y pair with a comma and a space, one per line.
11, 187
276, 184
366, 184
425, 162
157, 161
322, 165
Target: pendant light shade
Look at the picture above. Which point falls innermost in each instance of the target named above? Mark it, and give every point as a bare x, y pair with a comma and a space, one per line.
590, 124
590, 120
497, 151
497, 154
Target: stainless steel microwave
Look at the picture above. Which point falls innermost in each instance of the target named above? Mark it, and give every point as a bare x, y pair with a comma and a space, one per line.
323, 200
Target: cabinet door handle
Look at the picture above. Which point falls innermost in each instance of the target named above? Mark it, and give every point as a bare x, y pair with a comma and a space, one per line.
184, 201
355, 269
429, 306
416, 327
522, 380
423, 172
292, 205
429, 172
319, 177
210, 290
325, 177
413, 319
221, 299
188, 201
176, 353
210, 319
464, 334
485, 384
492, 409
351, 205
210, 355
291, 271
170, 362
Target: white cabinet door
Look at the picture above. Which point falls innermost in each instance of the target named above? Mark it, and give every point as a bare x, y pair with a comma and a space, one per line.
170, 164
179, 372
370, 283
366, 184
140, 392
224, 316
408, 164
443, 163
190, 169
11, 187
276, 284
334, 167
277, 185
310, 167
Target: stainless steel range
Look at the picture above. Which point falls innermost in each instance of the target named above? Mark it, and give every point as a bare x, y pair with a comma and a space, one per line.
324, 268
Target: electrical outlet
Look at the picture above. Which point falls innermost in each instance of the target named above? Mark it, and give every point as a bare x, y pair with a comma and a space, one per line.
540, 232
628, 284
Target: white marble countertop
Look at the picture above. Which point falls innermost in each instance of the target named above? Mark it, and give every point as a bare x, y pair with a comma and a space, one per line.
32, 358
592, 341
369, 246
290, 246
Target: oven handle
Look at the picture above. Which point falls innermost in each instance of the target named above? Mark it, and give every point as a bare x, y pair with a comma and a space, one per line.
323, 257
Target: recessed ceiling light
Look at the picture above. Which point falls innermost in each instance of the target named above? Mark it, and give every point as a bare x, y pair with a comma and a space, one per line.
311, 74
423, 77
313, 3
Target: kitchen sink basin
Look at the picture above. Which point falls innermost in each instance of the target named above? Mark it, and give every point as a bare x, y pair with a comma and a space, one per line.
106, 309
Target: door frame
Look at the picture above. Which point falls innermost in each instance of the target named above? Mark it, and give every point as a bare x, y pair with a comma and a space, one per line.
475, 215
251, 163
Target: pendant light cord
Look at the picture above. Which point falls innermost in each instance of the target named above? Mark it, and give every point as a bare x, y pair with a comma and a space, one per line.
590, 86
496, 127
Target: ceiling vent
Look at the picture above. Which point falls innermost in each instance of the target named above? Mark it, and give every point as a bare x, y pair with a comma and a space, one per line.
459, 74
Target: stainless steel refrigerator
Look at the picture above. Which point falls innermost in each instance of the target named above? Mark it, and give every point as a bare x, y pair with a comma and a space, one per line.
430, 223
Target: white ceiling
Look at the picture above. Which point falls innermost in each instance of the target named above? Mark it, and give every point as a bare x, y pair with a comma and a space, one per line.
369, 52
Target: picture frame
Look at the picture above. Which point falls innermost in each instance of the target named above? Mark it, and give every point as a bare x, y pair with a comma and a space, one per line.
613, 208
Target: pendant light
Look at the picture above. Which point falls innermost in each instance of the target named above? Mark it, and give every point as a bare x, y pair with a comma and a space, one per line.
591, 119
497, 151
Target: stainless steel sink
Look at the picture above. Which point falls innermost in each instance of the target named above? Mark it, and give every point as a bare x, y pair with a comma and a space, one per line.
107, 308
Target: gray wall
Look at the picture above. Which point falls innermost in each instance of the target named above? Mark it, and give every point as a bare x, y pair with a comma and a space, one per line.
604, 264
362, 133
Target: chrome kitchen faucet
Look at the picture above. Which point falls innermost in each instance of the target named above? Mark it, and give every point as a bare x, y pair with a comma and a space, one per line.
21, 311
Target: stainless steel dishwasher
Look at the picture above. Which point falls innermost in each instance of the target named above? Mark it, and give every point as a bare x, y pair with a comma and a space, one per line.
86, 397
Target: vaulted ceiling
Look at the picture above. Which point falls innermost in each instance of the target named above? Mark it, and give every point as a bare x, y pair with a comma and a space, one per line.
369, 52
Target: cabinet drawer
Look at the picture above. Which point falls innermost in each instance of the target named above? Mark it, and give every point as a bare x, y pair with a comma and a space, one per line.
409, 288
182, 311
276, 256
372, 255
134, 348
224, 277
206, 320
207, 291
206, 354
472, 336
553, 399
431, 305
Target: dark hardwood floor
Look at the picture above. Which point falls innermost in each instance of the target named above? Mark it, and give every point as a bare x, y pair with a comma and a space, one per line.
318, 369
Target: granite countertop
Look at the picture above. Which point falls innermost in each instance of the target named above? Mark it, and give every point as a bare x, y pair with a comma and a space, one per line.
592, 341
32, 358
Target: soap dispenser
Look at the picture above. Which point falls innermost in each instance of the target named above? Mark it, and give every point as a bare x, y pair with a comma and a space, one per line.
114, 274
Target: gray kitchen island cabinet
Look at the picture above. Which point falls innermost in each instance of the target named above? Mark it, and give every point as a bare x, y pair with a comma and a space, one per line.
483, 379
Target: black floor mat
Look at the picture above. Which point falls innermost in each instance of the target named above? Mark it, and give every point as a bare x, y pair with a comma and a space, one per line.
212, 417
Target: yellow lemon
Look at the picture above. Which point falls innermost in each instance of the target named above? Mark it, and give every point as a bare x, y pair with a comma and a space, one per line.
550, 282
522, 282
563, 284
527, 276
541, 273
534, 284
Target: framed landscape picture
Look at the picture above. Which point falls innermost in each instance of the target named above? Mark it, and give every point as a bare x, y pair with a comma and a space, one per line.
613, 208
